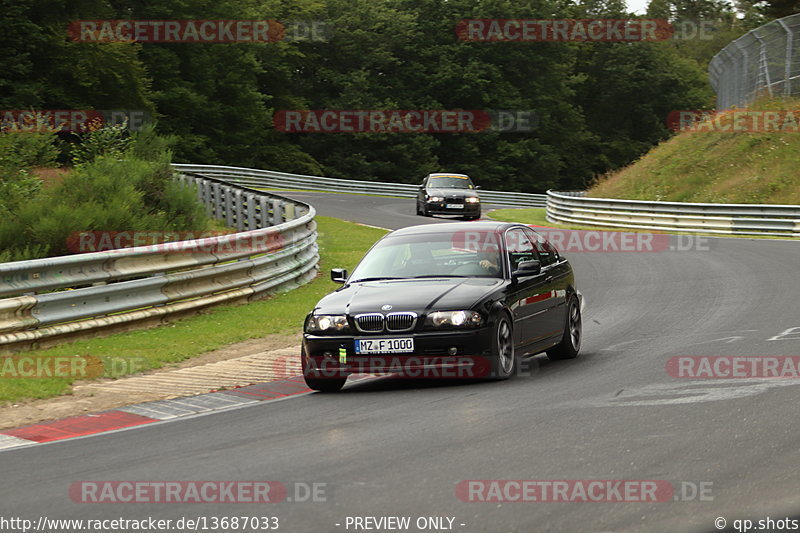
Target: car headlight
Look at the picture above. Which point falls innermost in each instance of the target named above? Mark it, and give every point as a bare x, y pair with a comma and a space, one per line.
456, 319
436, 199
473, 199
328, 324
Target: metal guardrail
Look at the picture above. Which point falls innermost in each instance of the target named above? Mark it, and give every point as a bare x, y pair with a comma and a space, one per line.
275, 250
765, 60
728, 219
268, 179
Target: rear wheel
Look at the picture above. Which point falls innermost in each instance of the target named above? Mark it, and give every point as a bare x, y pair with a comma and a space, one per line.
570, 343
504, 361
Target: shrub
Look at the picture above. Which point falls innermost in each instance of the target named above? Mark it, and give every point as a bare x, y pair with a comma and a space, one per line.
113, 141
20, 150
122, 183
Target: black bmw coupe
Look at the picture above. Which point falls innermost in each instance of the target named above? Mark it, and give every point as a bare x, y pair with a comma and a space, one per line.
448, 194
461, 300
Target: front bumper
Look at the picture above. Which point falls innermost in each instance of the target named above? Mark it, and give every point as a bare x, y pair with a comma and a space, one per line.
335, 356
440, 208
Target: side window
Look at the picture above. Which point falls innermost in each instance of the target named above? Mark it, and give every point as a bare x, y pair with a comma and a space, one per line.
519, 247
547, 252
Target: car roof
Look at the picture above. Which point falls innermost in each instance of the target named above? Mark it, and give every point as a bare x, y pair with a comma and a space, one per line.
446, 174
452, 227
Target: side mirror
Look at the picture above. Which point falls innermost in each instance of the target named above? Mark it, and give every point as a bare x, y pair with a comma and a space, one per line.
338, 275
531, 267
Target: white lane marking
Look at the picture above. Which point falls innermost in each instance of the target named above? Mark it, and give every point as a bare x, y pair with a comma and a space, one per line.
728, 340
355, 378
620, 344
9, 441
371, 226
791, 334
685, 392
160, 422
166, 409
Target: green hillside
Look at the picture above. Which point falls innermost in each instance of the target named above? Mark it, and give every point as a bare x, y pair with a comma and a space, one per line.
710, 165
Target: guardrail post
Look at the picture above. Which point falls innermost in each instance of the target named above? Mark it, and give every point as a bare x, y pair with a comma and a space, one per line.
228, 208
238, 210
263, 212
217, 203
251, 212
277, 212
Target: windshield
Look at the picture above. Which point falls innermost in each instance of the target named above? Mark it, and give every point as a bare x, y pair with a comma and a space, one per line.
430, 255
451, 182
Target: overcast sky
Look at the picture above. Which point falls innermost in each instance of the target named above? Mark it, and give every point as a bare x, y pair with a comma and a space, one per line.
637, 6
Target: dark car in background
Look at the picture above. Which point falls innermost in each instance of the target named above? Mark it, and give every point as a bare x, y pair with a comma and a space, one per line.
448, 194
428, 299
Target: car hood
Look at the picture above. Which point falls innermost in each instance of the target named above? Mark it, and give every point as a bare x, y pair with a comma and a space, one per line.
452, 192
418, 295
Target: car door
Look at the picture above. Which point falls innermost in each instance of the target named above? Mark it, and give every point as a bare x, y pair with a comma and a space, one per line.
530, 296
557, 274
421, 194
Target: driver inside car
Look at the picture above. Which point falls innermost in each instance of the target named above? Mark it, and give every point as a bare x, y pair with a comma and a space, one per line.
488, 262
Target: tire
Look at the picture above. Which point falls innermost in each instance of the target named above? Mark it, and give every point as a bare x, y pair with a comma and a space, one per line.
324, 384
504, 361
419, 211
570, 343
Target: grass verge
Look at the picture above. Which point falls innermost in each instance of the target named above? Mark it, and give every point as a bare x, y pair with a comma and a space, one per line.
342, 244
719, 163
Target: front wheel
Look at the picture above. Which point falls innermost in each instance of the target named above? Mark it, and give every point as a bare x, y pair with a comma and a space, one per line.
570, 343
322, 384
325, 384
504, 362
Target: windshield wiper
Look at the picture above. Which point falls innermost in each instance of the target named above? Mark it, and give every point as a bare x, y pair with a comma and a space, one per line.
375, 278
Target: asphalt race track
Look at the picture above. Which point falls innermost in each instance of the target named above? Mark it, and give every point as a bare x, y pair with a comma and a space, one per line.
391, 448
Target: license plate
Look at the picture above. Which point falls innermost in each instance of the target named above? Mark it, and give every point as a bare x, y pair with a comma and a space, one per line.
455, 206
366, 346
